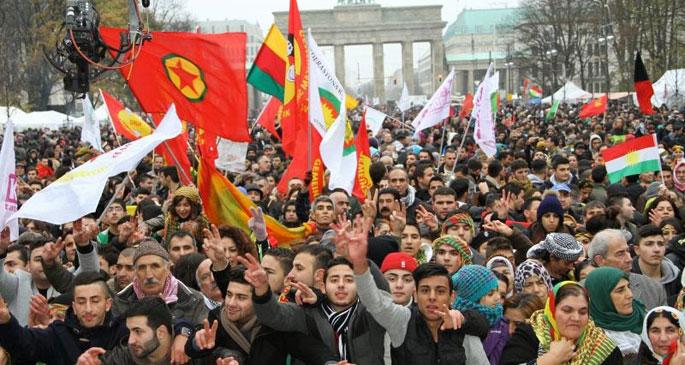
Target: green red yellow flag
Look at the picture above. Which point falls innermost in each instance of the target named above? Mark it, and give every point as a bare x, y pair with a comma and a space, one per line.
268, 70
224, 204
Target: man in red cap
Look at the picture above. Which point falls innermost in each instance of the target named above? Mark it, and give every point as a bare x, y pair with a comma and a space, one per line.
397, 268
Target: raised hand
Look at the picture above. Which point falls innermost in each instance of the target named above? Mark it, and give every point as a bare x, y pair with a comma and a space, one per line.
205, 339
91, 356
304, 294
501, 206
499, 227
358, 242
398, 219
255, 274
52, 250
258, 224
655, 217
370, 207
452, 319
84, 233
214, 249
39, 312
427, 218
341, 226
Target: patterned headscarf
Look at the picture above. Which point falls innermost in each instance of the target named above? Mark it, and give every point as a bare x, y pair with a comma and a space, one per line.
458, 244
473, 282
454, 219
592, 347
527, 269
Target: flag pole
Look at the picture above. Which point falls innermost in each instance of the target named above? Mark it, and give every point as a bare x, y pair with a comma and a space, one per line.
461, 145
442, 138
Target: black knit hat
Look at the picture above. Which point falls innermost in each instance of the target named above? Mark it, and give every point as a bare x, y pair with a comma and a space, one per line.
550, 204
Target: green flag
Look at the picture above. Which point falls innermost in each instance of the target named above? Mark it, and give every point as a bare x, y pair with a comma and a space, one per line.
552, 113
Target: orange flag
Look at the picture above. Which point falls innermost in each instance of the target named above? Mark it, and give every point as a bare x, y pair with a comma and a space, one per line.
362, 182
224, 204
125, 123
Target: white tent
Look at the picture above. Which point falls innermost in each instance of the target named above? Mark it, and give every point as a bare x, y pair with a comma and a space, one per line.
570, 93
670, 88
47, 119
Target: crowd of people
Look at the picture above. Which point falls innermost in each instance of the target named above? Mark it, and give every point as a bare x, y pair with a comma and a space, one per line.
532, 256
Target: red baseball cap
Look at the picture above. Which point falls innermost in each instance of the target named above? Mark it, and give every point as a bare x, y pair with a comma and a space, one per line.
399, 261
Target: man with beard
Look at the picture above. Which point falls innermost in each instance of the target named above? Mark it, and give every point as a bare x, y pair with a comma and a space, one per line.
444, 201
88, 323
236, 333
153, 279
150, 337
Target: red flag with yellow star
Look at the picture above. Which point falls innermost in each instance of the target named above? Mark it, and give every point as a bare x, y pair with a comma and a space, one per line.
202, 74
594, 107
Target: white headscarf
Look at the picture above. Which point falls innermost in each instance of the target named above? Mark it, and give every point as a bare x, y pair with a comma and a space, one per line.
645, 333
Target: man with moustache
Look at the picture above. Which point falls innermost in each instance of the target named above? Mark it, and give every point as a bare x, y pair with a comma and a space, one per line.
388, 201
154, 279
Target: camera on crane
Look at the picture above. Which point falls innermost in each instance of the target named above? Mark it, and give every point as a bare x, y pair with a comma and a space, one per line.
81, 54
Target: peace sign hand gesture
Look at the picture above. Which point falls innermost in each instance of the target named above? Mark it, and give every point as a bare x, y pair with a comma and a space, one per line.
205, 339
255, 274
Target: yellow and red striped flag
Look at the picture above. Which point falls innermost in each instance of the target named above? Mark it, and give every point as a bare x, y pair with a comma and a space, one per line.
225, 204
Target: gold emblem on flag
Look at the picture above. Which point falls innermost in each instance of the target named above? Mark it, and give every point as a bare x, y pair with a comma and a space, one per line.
186, 76
632, 158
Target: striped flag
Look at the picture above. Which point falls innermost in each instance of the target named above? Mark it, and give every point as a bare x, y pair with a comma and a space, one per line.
632, 158
268, 70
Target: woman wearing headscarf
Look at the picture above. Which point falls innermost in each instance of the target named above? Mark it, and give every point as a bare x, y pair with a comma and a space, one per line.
477, 289
562, 333
185, 213
531, 277
679, 176
503, 266
662, 334
614, 309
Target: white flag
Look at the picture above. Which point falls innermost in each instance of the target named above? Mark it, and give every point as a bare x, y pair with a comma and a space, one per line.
328, 114
484, 131
374, 119
231, 155
8, 182
78, 192
404, 103
90, 132
437, 108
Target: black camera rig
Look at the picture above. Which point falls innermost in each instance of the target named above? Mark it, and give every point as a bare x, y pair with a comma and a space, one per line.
81, 54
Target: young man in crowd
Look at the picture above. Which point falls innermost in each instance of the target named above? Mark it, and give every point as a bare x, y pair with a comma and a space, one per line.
650, 261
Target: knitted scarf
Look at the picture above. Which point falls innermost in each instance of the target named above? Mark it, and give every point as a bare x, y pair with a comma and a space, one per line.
340, 321
593, 346
242, 335
492, 314
169, 292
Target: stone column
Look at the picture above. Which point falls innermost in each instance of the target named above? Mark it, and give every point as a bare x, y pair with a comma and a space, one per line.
378, 72
408, 65
470, 80
339, 55
438, 58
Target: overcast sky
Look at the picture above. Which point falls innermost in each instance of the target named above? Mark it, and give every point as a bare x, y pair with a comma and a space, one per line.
359, 67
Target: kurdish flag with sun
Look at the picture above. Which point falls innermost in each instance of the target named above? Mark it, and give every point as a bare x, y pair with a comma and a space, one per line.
328, 115
632, 157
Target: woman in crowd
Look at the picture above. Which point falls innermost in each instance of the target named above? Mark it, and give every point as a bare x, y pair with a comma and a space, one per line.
502, 265
613, 309
662, 336
519, 308
670, 227
531, 277
562, 333
185, 213
550, 218
477, 289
